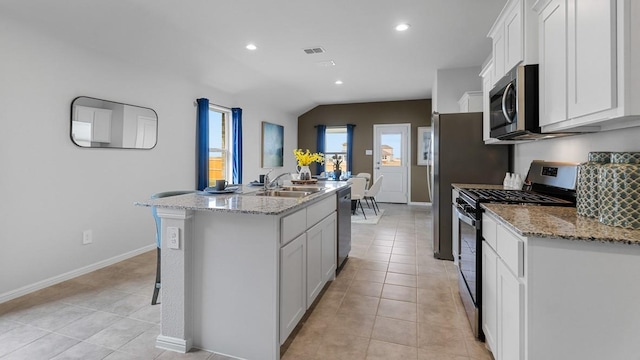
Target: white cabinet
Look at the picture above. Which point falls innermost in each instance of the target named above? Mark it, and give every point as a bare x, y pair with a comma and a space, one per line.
293, 279
307, 259
587, 80
471, 101
553, 63
321, 256
510, 305
100, 120
514, 38
489, 296
503, 290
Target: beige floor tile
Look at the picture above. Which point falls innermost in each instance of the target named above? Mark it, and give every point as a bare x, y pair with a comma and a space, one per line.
401, 279
43, 348
359, 304
6, 326
306, 342
477, 350
368, 288
377, 257
378, 242
403, 259
370, 275
148, 313
119, 333
408, 269
380, 249
84, 351
435, 353
380, 350
395, 331
401, 293
144, 344
89, 325
397, 309
373, 265
341, 346
60, 318
401, 250
356, 324
20, 336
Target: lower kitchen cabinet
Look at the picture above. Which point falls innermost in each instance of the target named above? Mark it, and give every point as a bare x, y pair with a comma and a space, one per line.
503, 291
293, 279
321, 256
489, 296
510, 322
307, 262
558, 298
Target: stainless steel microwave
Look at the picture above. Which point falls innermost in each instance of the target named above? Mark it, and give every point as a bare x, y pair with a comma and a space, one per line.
514, 105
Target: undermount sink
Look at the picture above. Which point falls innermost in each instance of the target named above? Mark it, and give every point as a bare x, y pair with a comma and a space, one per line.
283, 193
311, 189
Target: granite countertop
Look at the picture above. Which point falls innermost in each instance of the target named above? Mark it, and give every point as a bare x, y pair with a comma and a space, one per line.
243, 201
559, 222
476, 186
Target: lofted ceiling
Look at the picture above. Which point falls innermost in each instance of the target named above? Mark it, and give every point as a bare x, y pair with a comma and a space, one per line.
204, 41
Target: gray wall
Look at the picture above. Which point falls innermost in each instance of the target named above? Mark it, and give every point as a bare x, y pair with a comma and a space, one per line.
364, 116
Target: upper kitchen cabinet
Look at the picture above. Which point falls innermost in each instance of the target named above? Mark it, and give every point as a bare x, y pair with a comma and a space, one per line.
589, 60
514, 38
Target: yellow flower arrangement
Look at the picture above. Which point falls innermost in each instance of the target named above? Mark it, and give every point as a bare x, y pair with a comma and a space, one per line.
305, 158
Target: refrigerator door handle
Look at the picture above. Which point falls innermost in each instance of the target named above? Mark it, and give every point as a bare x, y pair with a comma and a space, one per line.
465, 218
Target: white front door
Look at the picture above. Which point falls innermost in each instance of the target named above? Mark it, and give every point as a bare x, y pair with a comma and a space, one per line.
146, 132
391, 145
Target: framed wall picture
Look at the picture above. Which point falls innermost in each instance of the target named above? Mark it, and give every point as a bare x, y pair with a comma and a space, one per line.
424, 145
272, 145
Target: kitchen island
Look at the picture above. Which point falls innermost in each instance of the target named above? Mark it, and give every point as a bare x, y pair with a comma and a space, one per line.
558, 286
245, 268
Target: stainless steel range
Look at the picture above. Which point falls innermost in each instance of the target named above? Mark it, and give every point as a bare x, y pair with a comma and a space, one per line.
547, 183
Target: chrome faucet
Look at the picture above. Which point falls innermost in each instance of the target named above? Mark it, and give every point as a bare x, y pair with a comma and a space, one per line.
265, 184
273, 183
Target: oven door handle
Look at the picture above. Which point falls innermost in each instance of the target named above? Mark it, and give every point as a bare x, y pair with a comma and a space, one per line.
465, 218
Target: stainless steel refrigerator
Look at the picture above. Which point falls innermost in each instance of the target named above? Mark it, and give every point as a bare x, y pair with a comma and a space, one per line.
459, 155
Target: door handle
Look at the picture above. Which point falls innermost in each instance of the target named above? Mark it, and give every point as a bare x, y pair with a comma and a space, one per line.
504, 103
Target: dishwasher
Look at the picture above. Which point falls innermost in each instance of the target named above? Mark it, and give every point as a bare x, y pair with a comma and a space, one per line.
344, 226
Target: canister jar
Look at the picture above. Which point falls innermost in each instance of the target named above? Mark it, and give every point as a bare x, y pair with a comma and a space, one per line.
587, 200
619, 191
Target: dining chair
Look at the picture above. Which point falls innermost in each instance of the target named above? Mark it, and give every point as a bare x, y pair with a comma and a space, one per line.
372, 192
154, 212
366, 176
357, 192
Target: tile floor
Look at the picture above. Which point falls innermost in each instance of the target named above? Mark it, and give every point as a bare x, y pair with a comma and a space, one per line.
393, 300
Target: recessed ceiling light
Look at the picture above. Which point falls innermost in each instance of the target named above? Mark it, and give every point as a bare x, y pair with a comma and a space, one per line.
338, 82
403, 27
251, 47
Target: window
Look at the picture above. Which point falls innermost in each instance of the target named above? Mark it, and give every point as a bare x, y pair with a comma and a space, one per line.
335, 148
220, 147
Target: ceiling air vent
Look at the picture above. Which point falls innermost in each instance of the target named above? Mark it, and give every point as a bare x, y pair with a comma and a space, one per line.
316, 50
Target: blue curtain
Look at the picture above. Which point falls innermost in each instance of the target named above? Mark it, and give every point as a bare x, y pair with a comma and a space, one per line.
321, 129
350, 147
236, 114
202, 144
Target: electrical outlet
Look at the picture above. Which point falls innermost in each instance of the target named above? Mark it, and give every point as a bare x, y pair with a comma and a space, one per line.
87, 237
173, 238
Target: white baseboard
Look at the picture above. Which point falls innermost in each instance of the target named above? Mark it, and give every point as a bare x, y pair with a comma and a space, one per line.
173, 344
72, 274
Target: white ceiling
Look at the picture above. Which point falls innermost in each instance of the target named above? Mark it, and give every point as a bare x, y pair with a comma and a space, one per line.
204, 40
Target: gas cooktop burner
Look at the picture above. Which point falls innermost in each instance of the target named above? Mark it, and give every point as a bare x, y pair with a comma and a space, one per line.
514, 197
